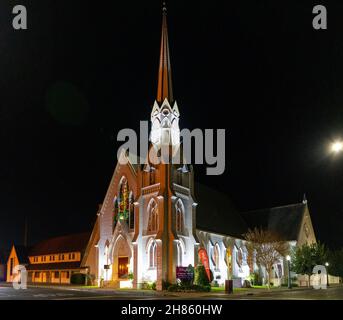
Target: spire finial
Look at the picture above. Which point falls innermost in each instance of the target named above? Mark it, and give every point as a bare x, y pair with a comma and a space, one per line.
165, 88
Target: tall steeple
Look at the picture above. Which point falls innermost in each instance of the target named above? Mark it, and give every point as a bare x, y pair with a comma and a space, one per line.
165, 112
165, 86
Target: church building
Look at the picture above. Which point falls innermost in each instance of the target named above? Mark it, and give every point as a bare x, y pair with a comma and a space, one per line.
154, 218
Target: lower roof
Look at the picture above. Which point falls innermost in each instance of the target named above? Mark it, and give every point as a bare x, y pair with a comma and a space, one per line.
285, 221
54, 266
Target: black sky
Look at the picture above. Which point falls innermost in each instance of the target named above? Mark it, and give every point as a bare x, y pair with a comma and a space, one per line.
84, 70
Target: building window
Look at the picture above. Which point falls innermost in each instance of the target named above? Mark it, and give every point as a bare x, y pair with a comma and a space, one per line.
73, 256
179, 255
37, 274
123, 201
153, 216
216, 256
132, 212
153, 255
11, 266
56, 274
152, 175
179, 216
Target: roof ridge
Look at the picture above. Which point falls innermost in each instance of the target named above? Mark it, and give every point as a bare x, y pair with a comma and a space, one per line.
65, 236
278, 207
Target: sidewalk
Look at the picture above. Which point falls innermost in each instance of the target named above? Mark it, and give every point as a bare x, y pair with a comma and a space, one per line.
190, 295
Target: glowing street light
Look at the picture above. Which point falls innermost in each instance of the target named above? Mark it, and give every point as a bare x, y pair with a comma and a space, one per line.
337, 146
327, 273
288, 258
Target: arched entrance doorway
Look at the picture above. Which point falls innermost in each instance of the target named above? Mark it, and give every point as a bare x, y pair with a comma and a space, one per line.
121, 259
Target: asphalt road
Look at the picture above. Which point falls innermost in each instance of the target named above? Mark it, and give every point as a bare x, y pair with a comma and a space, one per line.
41, 293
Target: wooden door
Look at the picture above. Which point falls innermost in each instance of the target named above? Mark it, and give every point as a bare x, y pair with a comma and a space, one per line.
123, 268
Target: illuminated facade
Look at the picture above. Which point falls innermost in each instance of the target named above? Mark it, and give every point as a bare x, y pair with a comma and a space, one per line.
147, 226
50, 261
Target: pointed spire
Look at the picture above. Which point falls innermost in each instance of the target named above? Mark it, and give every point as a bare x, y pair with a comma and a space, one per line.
165, 87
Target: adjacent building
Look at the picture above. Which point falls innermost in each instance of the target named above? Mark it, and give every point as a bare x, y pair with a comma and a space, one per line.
49, 261
2, 266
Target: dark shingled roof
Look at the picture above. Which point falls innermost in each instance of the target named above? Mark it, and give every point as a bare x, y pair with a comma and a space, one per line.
285, 221
70, 243
22, 254
54, 266
216, 213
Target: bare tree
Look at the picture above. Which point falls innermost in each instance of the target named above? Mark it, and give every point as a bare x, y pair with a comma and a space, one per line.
267, 247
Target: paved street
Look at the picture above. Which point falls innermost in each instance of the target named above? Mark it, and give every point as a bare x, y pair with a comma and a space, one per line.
69, 293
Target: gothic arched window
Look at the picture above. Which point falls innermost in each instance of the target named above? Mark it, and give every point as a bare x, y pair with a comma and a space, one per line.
153, 255
179, 216
216, 256
123, 200
132, 213
153, 216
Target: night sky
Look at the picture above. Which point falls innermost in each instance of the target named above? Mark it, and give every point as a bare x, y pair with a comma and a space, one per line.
83, 71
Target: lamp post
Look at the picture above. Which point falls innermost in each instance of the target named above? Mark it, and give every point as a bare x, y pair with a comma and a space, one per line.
327, 273
288, 258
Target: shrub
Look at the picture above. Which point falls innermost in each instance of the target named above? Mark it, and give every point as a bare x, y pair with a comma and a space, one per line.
80, 279
255, 279
200, 276
153, 286
166, 285
173, 288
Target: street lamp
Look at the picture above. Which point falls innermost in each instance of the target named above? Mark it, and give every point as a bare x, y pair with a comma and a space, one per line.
327, 273
288, 258
337, 146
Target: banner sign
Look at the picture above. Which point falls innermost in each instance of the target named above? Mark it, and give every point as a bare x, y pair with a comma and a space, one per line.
204, 260
184, 273
229, 261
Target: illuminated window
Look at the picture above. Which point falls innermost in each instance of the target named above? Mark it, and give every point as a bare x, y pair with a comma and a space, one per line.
179, 216
216, 256
11, 266
123, 200
153, 216
132, 213
153, 255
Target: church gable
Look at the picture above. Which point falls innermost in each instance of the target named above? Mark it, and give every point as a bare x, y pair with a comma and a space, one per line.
119, 199
306, 231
